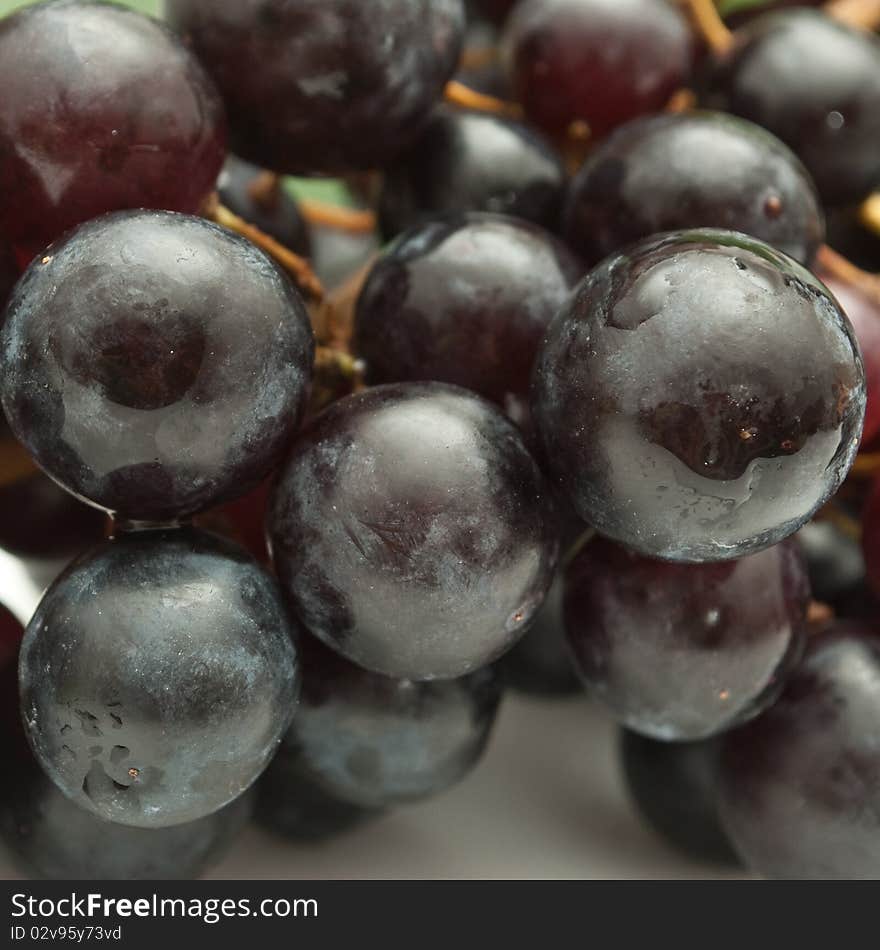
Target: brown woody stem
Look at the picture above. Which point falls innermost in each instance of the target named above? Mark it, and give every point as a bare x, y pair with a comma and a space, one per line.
297, 267
862, 14
353, 220
838, 266
458, 94
711, 27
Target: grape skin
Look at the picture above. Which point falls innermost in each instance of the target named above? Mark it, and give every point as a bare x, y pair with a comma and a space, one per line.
411, 740
540, 664
412, 531
324, 85
684, 651
700, 397
464, 299
155, 364
158, 676
54, 839
864, 315
601, 62
702, 169
815, 83
675, 787
102, 109
800, 785
472, 161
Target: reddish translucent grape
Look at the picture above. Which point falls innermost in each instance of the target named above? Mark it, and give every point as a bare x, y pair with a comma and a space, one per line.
702, 169
601, 62
464, 299
324, 85
101, 109
155, 364
684, 651
800, 785
815, 83
864, 315
413, 532
700, 397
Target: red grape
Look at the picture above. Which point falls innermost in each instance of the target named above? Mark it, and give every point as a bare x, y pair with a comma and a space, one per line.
864, 315
596, 61
101, 109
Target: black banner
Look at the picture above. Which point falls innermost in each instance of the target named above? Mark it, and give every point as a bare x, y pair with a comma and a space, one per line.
392, 913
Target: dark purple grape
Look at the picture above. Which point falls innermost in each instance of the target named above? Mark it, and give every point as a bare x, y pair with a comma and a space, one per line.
158, 677
473, 161
38, 520
800, 785
701, 397
601, 62
413, 532
834, 561
540, 663
684, 651
292, 806
155, 364
53, 838
324, 85
702, 169
815, 83
275, 214
675, 787
102, 109
373, 741
464, 300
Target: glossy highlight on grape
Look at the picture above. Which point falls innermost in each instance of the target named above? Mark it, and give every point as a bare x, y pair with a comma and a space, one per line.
101, 109
700, 397
158, 676
155, 364
413, 532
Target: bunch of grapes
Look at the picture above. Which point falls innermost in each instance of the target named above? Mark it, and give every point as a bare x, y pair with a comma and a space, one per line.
601, 413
